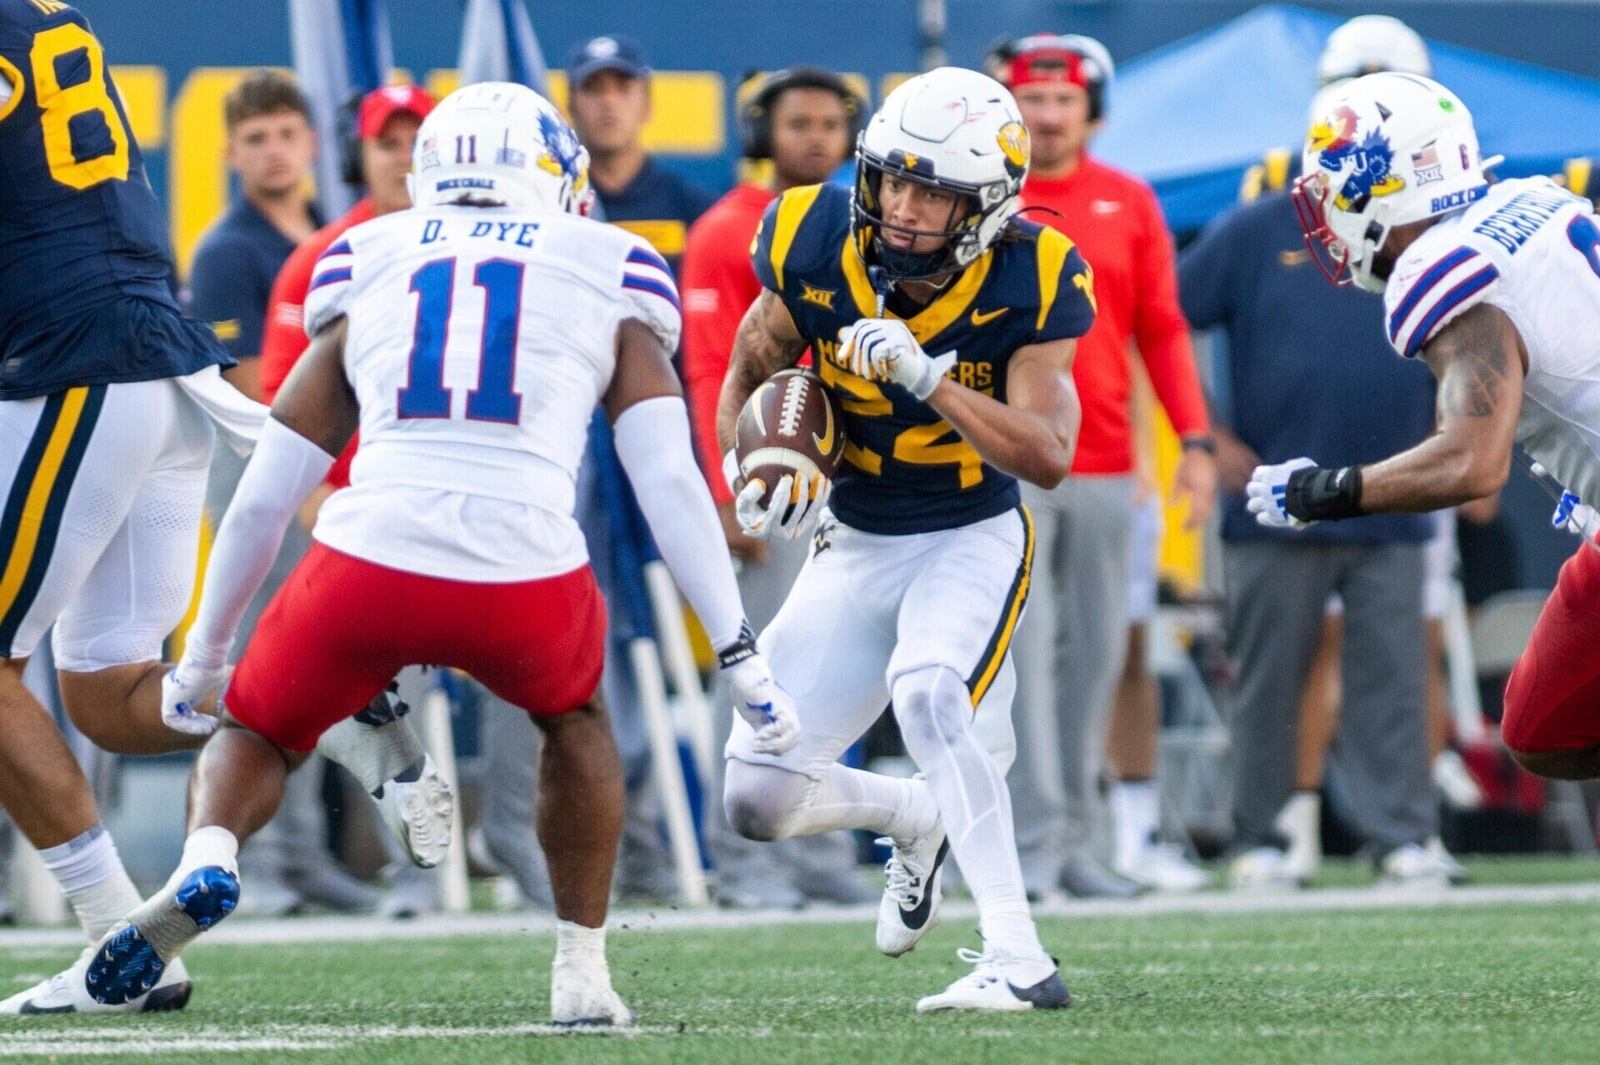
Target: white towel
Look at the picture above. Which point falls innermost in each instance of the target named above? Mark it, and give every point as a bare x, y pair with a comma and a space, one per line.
239, 416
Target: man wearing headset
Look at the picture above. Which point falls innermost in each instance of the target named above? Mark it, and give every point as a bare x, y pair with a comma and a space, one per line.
796, 127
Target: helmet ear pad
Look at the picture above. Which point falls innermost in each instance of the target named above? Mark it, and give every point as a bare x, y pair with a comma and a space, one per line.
755, 114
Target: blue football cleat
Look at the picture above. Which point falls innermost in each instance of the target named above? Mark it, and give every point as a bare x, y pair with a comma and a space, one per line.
132, 957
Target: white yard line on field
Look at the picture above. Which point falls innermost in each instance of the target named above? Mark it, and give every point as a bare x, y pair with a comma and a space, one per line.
334, 928
104, 1041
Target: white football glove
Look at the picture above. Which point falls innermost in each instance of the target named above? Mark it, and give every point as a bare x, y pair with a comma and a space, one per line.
803, 505
768, 708
1575, 516
1264, 494
184, 688
883, 349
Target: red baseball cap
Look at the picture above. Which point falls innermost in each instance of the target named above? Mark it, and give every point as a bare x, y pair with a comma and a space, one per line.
380, 105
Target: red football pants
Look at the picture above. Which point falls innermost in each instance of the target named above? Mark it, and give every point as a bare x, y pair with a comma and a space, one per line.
340, 629
1552, 701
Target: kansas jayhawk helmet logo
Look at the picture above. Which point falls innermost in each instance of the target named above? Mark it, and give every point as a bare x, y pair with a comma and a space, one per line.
1014, 145
1334, 140
560, 157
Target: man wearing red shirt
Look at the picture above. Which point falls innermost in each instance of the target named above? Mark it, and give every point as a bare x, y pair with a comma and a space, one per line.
804, 121
1072, 649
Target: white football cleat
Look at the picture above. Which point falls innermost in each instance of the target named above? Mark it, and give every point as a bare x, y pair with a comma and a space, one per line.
1001, 983
1163, 867
1262, 869
132, 958
909, 908
581, 995
66, 992
420, 813
1411, 865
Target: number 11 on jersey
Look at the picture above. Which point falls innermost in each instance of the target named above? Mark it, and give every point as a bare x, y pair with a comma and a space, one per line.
494, 400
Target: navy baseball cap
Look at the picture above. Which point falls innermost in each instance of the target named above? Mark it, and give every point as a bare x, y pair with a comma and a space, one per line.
612, 52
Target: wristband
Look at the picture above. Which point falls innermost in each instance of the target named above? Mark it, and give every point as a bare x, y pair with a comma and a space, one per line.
739, 650
1200, 442
1318, 494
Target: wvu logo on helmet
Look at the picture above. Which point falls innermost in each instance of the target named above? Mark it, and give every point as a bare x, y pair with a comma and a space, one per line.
1015, 146
920, 165
1334, 139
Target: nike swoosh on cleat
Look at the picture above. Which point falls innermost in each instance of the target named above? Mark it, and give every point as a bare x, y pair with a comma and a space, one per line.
918, 916
28, 1007
1048, 994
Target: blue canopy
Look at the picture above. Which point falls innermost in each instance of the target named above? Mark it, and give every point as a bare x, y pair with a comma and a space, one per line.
1192, 116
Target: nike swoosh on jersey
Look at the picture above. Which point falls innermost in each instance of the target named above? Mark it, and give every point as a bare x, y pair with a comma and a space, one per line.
1105, 206
984, 318
917, 916
1294, 257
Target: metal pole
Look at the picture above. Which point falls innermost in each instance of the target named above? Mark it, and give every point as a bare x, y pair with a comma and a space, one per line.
931, 28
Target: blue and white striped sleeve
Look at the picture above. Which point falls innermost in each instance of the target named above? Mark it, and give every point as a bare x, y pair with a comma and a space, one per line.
330, 286
1430, 291
651, 294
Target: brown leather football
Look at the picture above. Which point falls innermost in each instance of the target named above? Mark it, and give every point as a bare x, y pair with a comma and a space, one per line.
790, 426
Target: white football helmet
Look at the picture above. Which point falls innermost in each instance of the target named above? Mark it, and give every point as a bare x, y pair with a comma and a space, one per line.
1369, 44
1388, 150
950, 129
497, 143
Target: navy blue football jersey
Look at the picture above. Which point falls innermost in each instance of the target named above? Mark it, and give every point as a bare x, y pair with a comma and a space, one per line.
906, 470
83, 245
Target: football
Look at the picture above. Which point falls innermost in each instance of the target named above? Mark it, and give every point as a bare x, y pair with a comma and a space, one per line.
789, 426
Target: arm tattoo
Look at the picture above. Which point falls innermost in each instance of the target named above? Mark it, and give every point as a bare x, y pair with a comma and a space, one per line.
764, 344
759, 350
1469, 359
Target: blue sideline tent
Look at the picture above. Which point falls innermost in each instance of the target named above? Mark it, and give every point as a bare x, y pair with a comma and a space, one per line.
1192, 116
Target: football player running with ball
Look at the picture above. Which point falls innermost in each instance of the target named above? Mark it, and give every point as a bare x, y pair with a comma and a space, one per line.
944, 327
1497, 289
471, 337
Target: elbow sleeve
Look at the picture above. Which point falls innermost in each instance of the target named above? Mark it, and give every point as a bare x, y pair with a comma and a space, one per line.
654, 447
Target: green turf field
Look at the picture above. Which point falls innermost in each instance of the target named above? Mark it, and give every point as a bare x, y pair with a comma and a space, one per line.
1440, 984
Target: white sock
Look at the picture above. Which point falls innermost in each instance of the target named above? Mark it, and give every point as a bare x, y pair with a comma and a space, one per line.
580, 943
1136, 811
854, 798
1301, 820
91, 876
212, 845
934, 710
